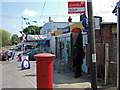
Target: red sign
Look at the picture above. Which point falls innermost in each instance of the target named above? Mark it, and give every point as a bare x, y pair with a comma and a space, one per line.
76, 30
76, 7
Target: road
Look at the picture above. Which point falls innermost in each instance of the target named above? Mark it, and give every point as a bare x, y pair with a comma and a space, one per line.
14, 77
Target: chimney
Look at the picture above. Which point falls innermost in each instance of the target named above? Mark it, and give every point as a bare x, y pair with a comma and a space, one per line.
49, 19
69, 19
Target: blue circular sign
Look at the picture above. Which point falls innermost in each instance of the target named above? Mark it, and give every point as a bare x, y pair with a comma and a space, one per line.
25, 64
85, 22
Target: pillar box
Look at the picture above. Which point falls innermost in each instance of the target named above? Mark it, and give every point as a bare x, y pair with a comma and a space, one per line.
44, 63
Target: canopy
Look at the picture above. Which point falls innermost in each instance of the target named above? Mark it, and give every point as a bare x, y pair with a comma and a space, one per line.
44, 42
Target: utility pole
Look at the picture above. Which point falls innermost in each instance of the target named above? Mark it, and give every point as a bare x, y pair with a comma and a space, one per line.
118, 44
93, 66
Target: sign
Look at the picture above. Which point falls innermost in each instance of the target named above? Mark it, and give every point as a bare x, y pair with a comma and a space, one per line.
93, 57
37, 37
52, 34
97, 23
58, 32
66, 30
30, 43
85, 24
25, 62
114, 30
77, 25
76, 30
76, 7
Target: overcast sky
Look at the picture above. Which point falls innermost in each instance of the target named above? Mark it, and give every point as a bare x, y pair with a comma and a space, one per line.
39, 10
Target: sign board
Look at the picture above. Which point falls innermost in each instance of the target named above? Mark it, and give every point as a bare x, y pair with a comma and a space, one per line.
66, 30
114, 30
30, 43
85, 24
37, 37
97, 23
76, 30
25, 62
58, 32
76, 7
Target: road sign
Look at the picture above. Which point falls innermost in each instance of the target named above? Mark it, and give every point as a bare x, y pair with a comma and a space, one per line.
25, 62
85, 24
75, 7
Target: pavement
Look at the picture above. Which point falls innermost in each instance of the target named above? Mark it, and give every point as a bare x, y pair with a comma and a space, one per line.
14, 77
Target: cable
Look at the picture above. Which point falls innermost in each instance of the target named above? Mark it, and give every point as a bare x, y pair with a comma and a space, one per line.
42, 10
58, 9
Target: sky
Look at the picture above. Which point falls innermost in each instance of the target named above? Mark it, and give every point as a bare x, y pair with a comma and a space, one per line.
12, 11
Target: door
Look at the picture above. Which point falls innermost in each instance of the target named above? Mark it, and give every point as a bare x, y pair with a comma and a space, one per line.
76, 48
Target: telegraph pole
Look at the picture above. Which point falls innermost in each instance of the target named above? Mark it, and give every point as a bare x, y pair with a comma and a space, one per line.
93, 66
118, 44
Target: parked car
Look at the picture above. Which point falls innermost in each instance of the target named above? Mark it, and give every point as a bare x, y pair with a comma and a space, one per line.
23, 53
31, 54
10, 53
19, 47
3, 56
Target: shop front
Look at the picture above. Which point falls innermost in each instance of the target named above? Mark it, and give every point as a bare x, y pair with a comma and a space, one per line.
70, 42
64, 48
44, 45
43, 41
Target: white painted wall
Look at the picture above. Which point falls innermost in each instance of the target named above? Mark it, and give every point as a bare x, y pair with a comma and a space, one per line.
53, 26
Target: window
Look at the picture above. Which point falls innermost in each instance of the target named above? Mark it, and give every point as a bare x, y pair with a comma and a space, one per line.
48, 31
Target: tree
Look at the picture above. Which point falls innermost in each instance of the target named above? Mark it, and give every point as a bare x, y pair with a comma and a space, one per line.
33, 30
15, 39
5, 38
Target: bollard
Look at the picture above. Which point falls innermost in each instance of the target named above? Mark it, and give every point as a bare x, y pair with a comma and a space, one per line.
44, 63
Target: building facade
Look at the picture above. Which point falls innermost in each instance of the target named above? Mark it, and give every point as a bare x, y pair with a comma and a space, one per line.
51, 27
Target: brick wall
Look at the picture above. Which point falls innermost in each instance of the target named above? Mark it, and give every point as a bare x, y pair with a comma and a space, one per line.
104, 35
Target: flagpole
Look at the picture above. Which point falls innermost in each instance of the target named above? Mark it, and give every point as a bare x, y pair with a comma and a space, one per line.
22, 33
22, 24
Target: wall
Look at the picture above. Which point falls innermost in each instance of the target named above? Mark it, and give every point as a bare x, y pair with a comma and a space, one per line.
53, 26
105, 35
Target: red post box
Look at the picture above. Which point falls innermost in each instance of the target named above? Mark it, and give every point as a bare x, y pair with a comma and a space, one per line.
44, 63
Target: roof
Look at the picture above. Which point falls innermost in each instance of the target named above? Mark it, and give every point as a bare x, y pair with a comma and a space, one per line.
108, 23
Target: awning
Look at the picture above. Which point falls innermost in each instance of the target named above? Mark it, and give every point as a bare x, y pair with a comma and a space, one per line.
39, 42
44, 42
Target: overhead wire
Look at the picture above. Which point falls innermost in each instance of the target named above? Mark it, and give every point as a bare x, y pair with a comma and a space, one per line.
58, 9
42, 11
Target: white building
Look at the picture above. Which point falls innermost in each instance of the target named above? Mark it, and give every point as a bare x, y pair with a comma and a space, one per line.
50, 27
